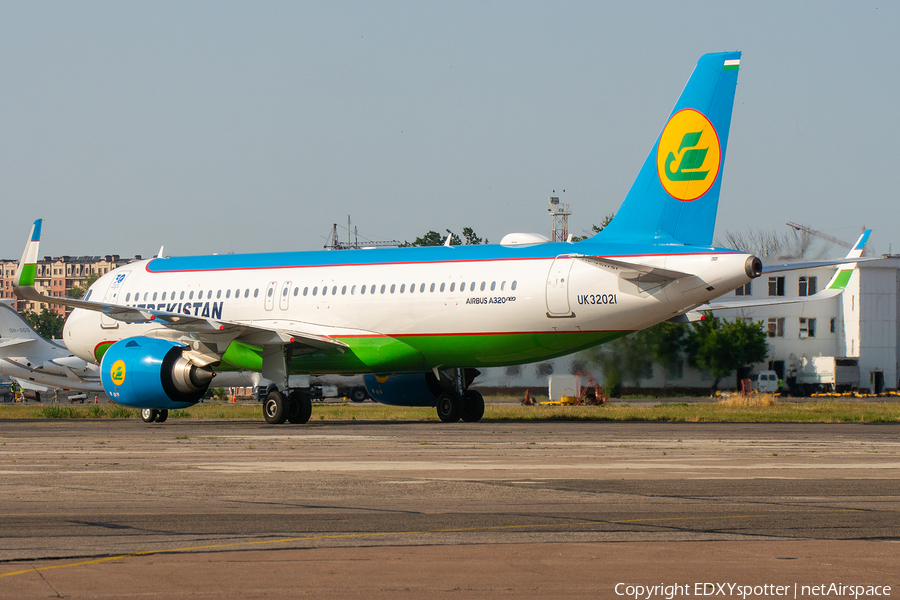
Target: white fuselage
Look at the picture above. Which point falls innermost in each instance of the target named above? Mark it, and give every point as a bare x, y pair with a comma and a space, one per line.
527, 297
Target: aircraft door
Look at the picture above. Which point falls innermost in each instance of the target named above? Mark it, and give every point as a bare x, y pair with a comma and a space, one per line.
270, 295
558, 287
285, 295
114, 296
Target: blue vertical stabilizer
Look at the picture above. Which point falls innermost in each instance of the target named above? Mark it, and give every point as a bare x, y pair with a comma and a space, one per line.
676, 194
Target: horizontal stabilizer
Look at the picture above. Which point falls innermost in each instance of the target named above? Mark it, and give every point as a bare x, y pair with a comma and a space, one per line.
621, 265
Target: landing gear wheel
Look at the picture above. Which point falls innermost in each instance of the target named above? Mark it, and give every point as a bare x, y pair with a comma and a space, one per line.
148, 415
449, 408
162, 415
358, 394
473, 407
300, 408
276, 408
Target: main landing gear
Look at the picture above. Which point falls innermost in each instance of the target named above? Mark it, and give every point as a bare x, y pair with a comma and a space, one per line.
295, 408
452, 407
457, 401
151, 415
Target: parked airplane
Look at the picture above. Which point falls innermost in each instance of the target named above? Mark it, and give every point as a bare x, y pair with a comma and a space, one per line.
39, 363
425, 318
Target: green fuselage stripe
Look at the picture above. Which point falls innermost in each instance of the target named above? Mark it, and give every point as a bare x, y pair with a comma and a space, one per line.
419, 353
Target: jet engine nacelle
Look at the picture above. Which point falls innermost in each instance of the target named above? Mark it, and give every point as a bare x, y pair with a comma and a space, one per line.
142, 372
405, 389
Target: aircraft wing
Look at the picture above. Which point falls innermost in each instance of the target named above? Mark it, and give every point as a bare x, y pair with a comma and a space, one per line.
284, 332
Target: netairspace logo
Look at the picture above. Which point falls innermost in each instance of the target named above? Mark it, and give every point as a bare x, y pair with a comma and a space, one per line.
737, 590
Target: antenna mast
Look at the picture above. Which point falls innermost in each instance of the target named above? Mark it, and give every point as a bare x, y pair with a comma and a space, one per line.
560, 215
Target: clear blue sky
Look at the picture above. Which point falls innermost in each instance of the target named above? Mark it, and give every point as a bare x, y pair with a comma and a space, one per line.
222, 126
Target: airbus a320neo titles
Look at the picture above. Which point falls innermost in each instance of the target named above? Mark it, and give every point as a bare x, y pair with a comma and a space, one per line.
419, 322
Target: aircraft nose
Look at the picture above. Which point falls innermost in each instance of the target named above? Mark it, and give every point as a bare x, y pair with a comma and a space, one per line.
753, 267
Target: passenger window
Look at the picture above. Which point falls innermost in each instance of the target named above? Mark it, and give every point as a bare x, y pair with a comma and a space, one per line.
442, 286
305, 290
256, 293
343, 291
402, 288
432, 288
362, 289
372, 291
412, 288
513, 286
315, 290
452, 285
462, 286
483, 285
209, 294
127, 297
228, 293
493, 285
502, 285
191, 296
218, 294
422, 287
270, 292
334, 291
296, 291
181, 296
284, 292
247, 293
393, 287
324, 290
145, 296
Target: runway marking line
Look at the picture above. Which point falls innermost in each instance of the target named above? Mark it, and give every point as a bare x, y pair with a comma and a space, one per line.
374, 534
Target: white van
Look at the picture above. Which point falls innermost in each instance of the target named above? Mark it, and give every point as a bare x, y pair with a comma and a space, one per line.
765, 382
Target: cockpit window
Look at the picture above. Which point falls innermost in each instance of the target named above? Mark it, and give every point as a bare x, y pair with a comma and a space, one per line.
87, 296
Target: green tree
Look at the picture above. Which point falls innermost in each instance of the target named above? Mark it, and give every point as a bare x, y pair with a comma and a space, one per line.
631, 358
595, 229
47, 323
721, 347
78, 291
471, 238
666, 344
433, 238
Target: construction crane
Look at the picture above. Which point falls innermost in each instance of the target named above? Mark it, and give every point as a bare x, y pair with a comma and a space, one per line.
353, 240
819, 234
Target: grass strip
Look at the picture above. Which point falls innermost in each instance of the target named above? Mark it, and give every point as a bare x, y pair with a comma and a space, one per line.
734, 412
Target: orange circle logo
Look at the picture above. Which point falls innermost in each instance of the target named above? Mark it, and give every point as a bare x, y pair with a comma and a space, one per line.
117, 372
687, 159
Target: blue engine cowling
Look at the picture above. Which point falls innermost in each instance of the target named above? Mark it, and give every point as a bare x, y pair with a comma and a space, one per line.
405, 389
142, 372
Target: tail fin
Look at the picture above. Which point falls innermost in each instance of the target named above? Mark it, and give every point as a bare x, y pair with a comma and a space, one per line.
23, 285
16, 330
676, 194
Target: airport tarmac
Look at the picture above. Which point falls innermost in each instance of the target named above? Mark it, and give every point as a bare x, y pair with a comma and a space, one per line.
241, 509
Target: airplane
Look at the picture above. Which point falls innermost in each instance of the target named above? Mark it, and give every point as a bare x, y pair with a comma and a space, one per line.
419, 322
38, 363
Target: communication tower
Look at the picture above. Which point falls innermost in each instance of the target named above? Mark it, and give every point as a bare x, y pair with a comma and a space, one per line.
560, 215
